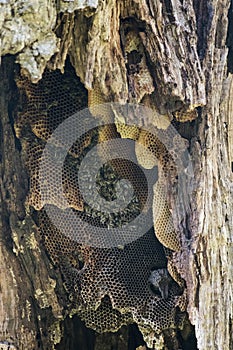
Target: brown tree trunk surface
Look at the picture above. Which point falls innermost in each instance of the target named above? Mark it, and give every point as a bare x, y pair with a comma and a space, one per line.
185, 71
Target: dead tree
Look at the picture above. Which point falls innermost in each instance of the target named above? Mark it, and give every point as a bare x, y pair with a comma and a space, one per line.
173, 56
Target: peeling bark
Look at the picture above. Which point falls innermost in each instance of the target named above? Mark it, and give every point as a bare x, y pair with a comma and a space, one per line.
187, 64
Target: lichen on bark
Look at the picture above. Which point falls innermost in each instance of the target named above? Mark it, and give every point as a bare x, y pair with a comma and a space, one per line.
184, 47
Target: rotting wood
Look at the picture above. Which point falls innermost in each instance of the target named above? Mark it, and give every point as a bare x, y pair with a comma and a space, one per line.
186, 46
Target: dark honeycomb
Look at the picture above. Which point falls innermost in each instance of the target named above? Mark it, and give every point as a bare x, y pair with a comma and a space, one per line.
108, 287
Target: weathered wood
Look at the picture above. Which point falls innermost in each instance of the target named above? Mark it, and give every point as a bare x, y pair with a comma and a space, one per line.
184, 45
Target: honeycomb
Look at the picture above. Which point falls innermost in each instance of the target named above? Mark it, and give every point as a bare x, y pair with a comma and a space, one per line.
108, 281
162, 218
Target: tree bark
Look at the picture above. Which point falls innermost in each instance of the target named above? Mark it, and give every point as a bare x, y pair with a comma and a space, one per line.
186, 72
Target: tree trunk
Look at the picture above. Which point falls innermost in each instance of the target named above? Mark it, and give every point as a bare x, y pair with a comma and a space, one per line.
174, 57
